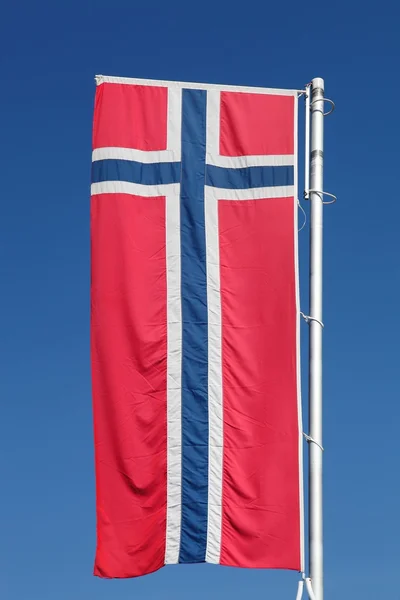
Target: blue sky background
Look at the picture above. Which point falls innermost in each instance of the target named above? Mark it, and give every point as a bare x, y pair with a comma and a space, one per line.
50, 52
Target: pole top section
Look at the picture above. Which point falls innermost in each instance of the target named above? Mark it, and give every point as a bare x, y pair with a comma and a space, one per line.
318, 83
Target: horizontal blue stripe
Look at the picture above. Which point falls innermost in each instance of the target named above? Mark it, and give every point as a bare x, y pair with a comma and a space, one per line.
136, 172
249, 177
165, 173
194, 331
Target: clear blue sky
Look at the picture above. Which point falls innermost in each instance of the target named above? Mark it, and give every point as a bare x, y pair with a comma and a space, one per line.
50, 52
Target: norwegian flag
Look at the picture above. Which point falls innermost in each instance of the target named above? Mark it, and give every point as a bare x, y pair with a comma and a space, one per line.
195, 327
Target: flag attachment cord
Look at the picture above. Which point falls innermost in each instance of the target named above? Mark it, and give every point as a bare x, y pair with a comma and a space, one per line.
304, 215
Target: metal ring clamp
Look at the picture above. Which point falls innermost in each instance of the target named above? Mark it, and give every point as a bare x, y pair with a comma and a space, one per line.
331, 102
322, 193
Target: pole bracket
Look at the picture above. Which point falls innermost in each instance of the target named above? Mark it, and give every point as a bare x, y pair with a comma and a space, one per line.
308, 319
309, 588
311, 440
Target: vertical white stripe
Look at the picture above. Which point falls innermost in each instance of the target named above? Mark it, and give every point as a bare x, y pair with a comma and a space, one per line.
213, 128
174, 124
174, 377
215, 409
174, 339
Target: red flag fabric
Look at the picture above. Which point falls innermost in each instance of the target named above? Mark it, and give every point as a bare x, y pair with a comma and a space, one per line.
195, 327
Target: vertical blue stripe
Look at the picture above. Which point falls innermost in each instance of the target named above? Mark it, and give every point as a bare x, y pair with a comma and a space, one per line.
194, 331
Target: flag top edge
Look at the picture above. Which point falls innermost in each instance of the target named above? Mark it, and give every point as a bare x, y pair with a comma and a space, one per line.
198, 86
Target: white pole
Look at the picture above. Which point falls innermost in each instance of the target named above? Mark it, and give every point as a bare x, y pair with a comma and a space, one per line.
315, 364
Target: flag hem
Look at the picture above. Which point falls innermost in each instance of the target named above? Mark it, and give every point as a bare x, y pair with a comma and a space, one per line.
191, 85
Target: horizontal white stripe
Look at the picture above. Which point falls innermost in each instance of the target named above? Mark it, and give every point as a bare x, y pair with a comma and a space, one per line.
215, 410
197, 86
135, 189
174, 379
163, 156
141, 156
240, 162
251, 194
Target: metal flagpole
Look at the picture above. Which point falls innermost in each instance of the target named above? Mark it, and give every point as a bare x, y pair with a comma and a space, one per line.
315, 323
